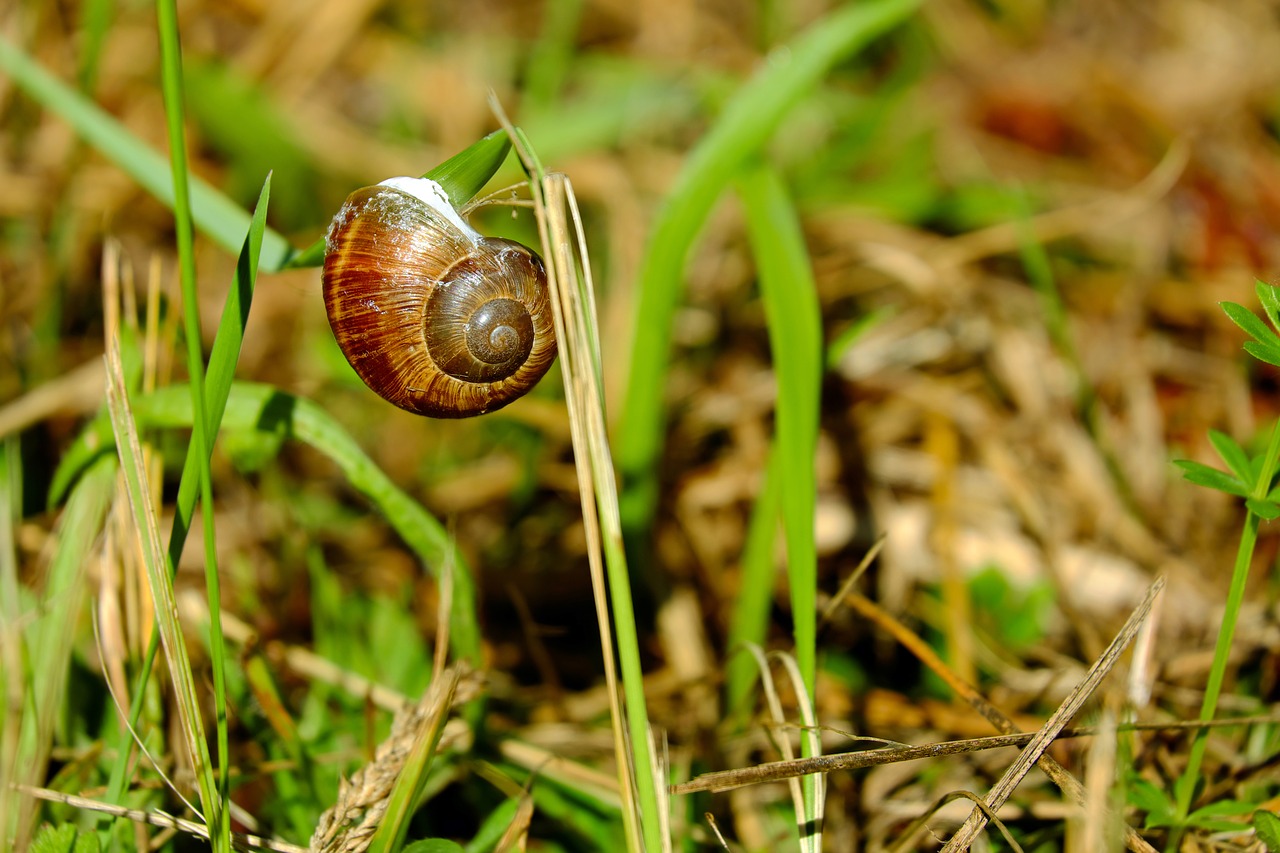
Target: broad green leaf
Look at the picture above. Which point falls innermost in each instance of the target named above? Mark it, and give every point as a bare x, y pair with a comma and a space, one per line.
1203, 475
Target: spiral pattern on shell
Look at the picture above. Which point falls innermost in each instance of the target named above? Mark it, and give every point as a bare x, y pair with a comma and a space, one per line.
434, 317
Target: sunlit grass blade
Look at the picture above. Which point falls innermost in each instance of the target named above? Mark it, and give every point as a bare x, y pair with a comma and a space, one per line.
795, 339
747, 122
552, 53
223, 357
202, 436
262, 408
794, 321
221, 371
15, 750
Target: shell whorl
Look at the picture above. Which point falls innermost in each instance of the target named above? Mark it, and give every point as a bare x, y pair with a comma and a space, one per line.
434, 317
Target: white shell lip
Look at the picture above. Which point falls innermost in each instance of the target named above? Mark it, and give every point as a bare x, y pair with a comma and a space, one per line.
433, 195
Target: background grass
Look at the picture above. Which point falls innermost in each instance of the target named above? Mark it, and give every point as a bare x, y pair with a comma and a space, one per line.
1038, 206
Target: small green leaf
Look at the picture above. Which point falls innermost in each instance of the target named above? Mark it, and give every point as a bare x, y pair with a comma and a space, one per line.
1267, 825
461, 177
1232, 454
1203, 475
1269, 353
1269, 296
464, 174
1154, 801
64, 838
1263, 508
1214, 817
1247, 320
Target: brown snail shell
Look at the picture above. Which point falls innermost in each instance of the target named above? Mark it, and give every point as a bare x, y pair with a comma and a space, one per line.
434, 317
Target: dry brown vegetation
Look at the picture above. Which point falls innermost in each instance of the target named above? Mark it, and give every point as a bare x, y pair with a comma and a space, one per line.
1136, 142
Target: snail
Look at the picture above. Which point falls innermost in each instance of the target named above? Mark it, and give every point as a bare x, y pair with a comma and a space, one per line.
434, 317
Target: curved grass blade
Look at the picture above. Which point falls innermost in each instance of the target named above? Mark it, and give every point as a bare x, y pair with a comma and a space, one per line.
795, 339
750, 622
217, 216
263, 408
748, 121
215, 801
191, 729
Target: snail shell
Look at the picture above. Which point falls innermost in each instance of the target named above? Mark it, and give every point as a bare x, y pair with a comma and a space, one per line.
434, 317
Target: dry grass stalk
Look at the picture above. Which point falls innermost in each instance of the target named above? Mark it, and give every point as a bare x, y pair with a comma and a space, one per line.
348, 826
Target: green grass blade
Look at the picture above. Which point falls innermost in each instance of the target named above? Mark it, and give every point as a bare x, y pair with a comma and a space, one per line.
795, 339
748, 121
574, 311
552, 53
96, 24
749, 624
64, 591
794, 320
16, 750
190, 728
464, 174
217, 216
217, 816
222, 360
1186, 785
222, 365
